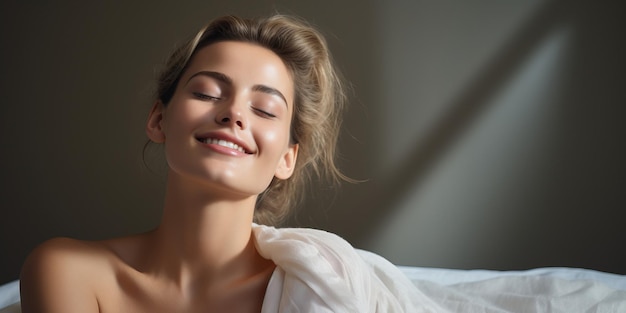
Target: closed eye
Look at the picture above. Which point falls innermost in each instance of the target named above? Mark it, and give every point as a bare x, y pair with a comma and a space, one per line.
263, 113
205, 97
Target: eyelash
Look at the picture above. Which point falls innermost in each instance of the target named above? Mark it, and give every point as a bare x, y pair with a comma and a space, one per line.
202, 96
265, 113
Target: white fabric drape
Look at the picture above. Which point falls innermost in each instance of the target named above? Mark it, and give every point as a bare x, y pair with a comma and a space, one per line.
320, 272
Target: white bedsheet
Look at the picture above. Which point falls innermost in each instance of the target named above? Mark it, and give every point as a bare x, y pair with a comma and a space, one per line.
446, 276
540, 290
10, 297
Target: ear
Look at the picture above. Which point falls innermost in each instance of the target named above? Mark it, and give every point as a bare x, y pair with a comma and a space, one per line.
154, 129
287, 163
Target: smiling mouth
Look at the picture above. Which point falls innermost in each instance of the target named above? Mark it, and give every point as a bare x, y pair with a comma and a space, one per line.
223, 143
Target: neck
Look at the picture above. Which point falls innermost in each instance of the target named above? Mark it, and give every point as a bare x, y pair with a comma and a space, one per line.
204, 236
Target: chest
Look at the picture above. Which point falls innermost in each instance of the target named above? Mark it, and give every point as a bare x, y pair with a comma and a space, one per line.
132, 293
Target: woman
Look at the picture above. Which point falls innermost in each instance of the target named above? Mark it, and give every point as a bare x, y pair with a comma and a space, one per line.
247, 112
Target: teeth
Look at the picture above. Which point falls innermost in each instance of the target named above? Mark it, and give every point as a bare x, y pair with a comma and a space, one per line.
223, 143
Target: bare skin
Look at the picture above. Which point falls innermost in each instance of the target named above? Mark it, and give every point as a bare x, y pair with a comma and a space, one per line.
202, 257
94, 277
151, 272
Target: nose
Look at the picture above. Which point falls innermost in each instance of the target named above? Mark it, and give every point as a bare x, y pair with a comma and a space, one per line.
231, 114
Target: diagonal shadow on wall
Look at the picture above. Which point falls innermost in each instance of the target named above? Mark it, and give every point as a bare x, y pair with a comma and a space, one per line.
377, 197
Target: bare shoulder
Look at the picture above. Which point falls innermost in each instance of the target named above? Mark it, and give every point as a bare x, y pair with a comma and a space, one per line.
63, 254
61, 274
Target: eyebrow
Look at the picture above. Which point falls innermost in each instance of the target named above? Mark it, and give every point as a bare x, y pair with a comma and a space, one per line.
217, 75
227, 80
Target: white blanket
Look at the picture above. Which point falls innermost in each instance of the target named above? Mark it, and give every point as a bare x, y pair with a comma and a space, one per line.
320, 272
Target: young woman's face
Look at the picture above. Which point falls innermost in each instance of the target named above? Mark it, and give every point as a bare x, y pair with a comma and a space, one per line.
228, 123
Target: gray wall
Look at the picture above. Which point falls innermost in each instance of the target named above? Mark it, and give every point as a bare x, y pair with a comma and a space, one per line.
512, 148
490, 133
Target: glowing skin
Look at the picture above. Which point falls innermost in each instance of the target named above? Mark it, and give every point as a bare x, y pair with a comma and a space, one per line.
228, 122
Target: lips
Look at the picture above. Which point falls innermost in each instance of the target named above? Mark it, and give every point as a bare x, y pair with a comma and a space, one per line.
224, 141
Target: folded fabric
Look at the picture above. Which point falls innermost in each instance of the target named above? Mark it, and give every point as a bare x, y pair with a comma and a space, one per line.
317, 271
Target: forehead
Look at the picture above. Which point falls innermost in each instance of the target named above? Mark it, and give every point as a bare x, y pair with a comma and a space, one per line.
245, 63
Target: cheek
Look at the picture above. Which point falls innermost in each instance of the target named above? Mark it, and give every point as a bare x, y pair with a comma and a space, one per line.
183, 118
277, 138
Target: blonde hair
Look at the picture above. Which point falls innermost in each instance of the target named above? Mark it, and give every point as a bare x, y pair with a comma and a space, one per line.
318, 104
